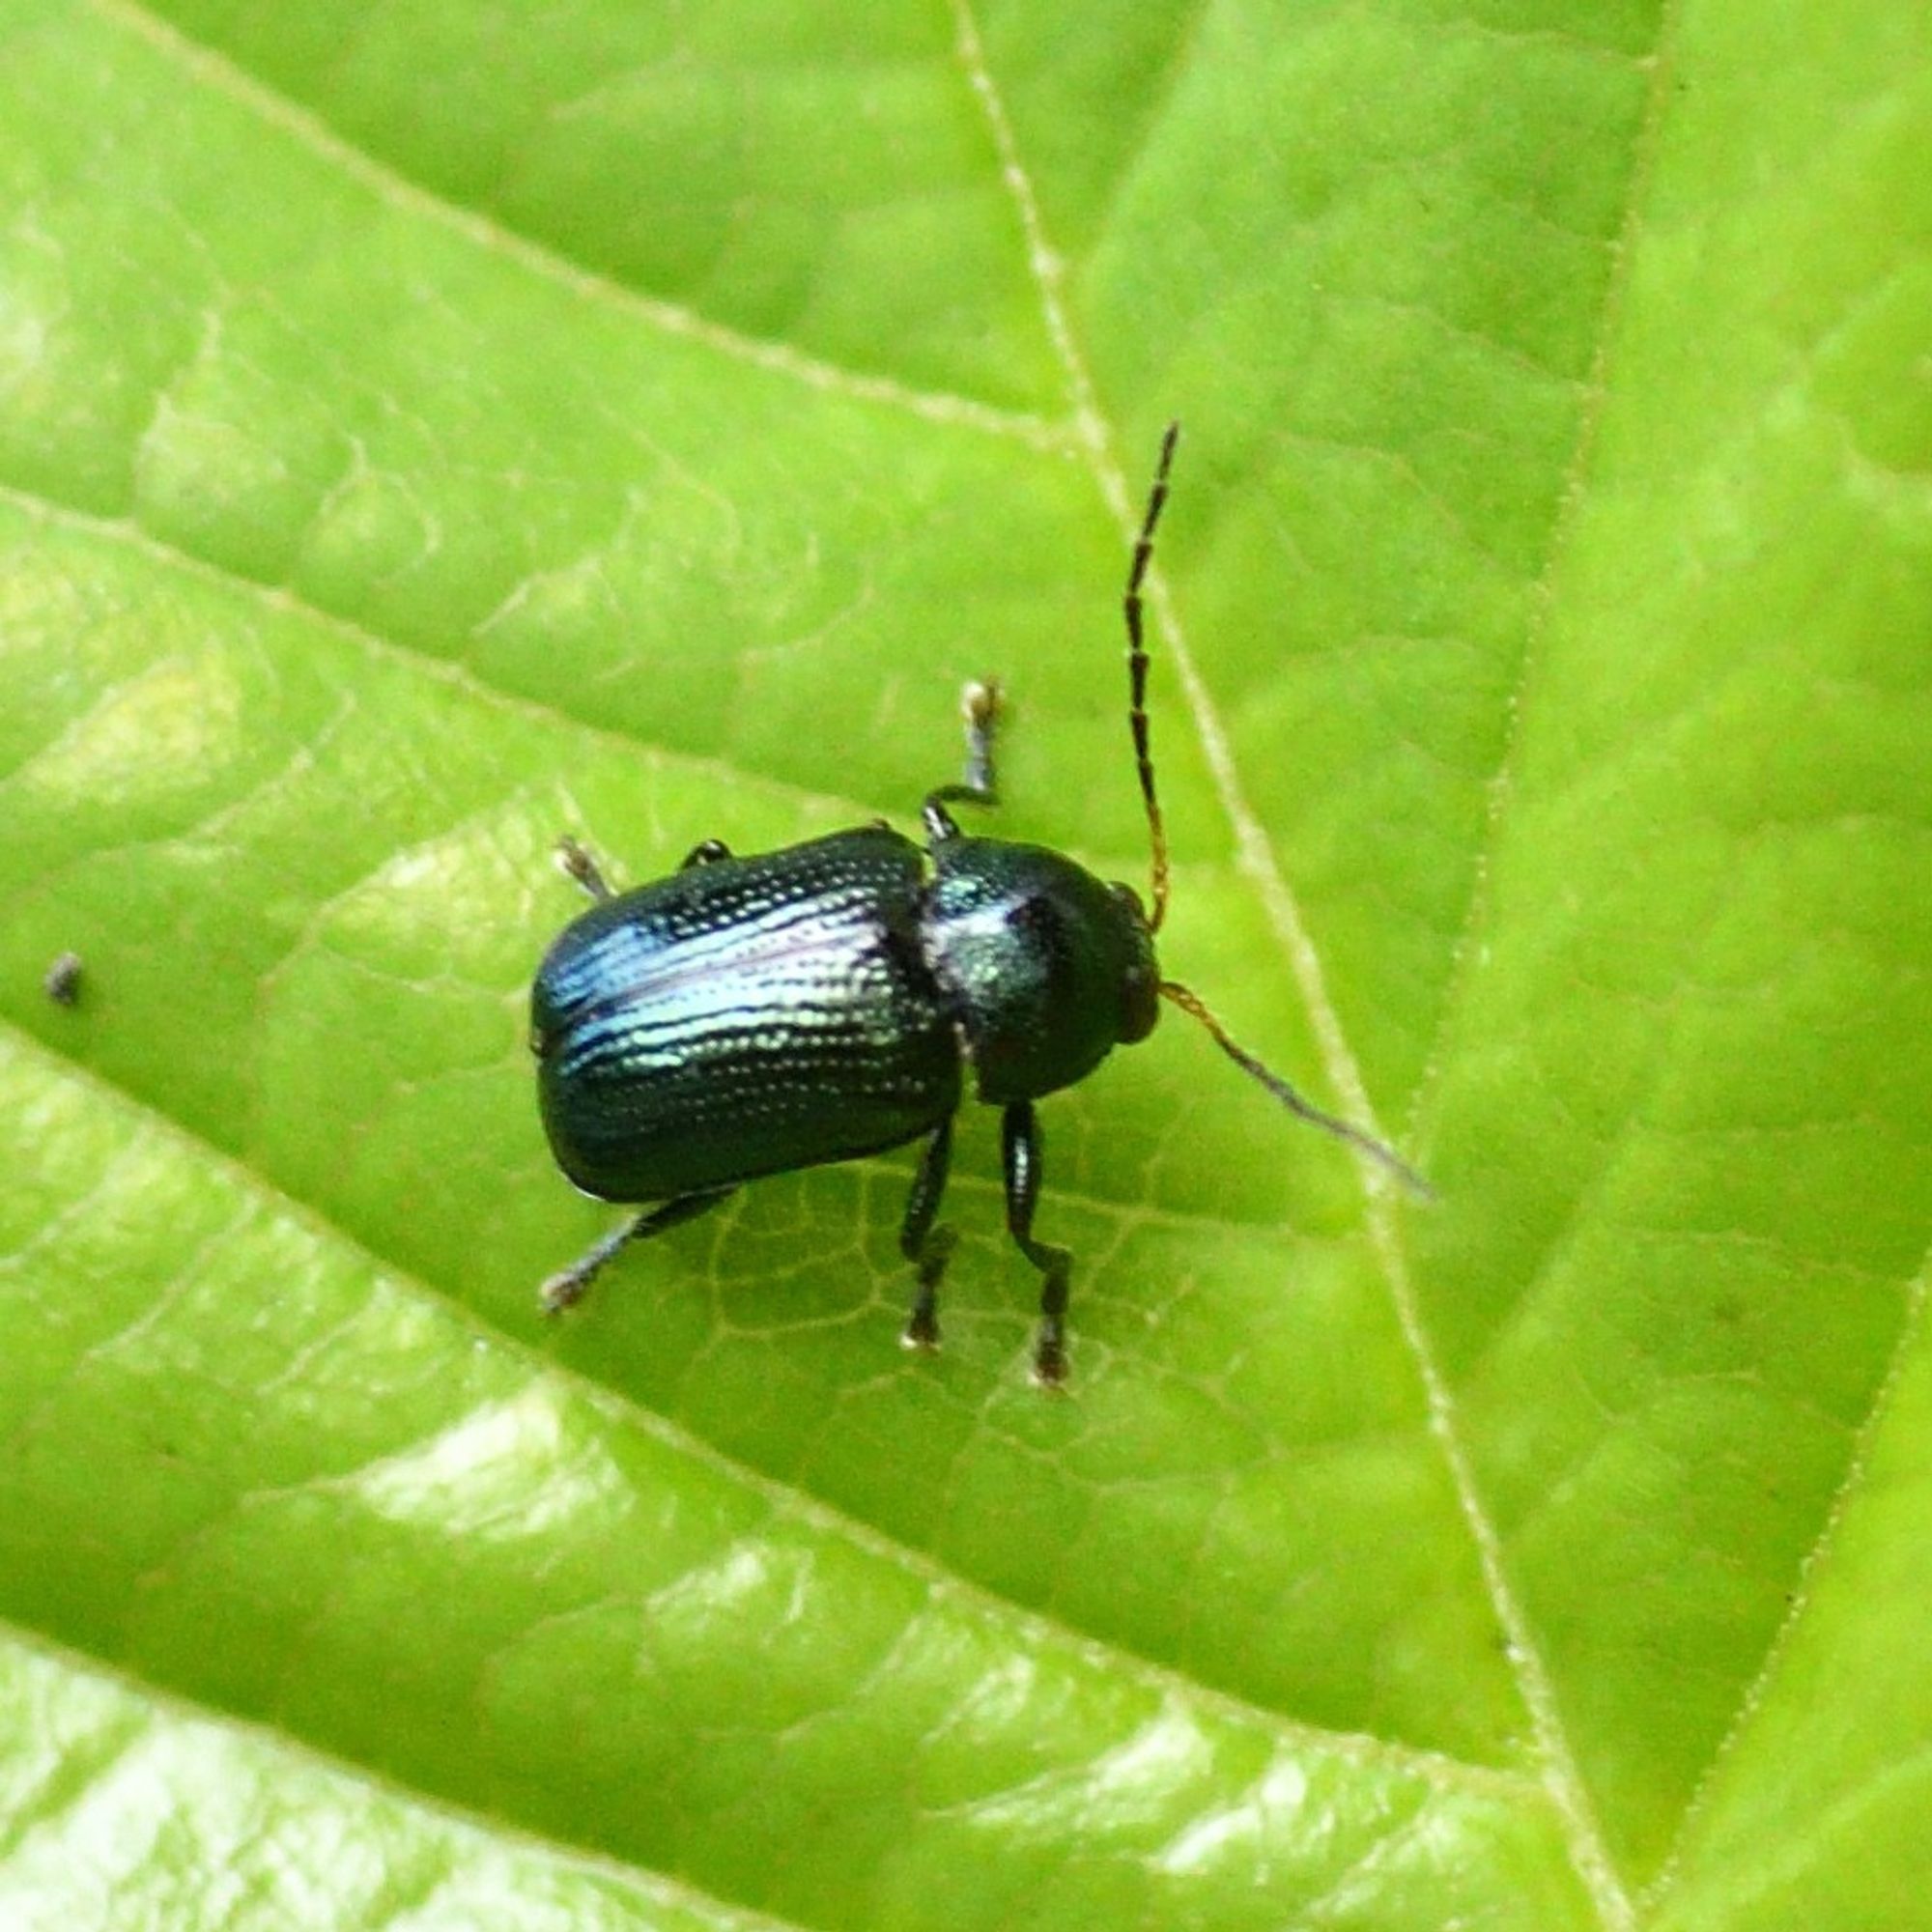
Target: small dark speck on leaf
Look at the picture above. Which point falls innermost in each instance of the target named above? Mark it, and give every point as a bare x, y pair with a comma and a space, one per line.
62, 984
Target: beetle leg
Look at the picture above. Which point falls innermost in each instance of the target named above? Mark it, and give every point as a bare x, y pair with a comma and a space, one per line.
1023, 1144
979, 706
927, 1247
568, 1284
582, 867
706, 852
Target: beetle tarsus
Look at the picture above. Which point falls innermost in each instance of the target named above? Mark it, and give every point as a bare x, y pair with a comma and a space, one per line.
921, 1328
1022, 1147
1049, 1359
568, 1285
979, 707
578, 863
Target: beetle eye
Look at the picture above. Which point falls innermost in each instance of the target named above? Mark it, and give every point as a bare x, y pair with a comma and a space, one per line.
1131, 899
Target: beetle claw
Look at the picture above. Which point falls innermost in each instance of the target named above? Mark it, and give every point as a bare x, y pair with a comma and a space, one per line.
562, 1289
1049, 1367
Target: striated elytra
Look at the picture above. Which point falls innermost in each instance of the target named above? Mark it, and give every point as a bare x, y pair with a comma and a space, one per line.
834, 999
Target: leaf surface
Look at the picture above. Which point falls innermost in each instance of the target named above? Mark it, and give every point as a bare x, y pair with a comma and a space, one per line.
427, 429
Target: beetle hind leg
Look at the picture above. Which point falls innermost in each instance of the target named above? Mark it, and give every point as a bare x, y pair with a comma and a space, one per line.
927, 1247
706, 852
568, 1285
1022, 1144
579, 864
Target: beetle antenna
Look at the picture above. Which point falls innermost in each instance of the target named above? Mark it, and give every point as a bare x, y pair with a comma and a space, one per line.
1137, 670
1189, 1001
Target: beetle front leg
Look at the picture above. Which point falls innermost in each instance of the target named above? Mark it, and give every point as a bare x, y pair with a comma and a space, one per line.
927, 1247
568, 1285
1023, 1144
979, 706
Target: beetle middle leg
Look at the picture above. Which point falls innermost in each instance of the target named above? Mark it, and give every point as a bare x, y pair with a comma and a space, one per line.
927, 1247
979, 706
1022, 1144
569, 1284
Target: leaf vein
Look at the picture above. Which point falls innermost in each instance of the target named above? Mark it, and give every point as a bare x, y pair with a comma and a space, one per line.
395, 190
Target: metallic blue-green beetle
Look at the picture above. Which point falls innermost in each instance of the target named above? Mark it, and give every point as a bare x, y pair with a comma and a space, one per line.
749, 1016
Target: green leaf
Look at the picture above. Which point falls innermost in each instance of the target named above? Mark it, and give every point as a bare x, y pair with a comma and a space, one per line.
426, 429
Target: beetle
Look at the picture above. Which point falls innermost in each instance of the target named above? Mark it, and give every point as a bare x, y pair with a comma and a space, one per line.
747, 1016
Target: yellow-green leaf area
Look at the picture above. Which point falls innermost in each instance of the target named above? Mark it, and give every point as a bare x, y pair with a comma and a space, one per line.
426, 430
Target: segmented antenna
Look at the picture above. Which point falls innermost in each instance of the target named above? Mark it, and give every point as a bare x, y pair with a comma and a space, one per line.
1137, 672
1189, 1001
